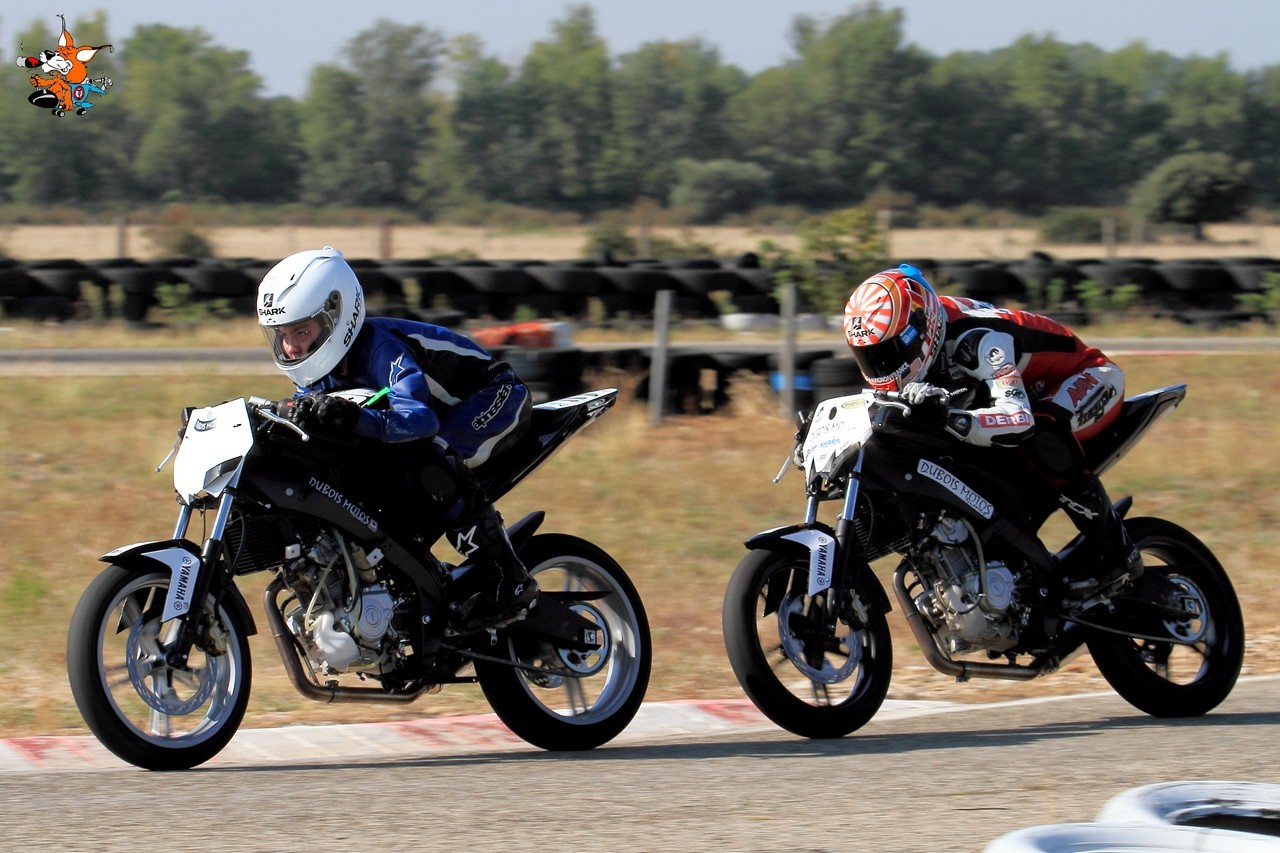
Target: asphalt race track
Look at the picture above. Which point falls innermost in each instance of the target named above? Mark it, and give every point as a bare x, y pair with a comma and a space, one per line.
685, 777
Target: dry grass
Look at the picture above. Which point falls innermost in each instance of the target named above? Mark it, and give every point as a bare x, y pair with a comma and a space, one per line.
672, 503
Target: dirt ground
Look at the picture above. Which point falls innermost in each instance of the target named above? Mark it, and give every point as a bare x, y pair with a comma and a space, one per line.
90, 242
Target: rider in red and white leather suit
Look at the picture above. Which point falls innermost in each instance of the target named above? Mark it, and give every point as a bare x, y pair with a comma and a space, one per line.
1034, 384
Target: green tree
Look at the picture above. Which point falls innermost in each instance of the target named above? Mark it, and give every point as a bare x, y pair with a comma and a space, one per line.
1206, 104
470, 155
1192, 189
669, 101
829, 124
712, 189
775, 126
837, 252
1261, 135
562, 115
365, 125
196, 126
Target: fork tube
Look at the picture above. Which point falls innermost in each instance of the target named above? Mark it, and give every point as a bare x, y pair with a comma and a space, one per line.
184, 518
851, 488
209, 557
811, 510
848, 510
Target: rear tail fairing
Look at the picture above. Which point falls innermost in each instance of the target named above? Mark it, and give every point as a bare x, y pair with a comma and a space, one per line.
1137, 415
551, 424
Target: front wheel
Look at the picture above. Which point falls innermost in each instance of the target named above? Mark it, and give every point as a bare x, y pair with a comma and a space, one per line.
147, 712
1167, 679
584, 700
812, 679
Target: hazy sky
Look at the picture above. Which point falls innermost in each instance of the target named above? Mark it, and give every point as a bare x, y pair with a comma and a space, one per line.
285, 39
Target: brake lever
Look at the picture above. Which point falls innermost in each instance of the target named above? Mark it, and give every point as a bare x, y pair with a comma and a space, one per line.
785, 465
277, 419
172, 452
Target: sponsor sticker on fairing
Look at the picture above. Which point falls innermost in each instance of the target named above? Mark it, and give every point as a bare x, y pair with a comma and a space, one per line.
956, 486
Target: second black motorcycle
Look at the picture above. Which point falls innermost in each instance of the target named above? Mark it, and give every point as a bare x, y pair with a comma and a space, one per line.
804, 615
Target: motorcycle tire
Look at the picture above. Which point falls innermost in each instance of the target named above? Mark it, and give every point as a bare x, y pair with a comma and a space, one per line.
593, 705
789, 667
1166, 679
147, 713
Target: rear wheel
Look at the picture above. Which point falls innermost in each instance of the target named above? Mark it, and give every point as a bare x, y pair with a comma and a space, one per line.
1190, 678
810, 679
147, 712
590, 697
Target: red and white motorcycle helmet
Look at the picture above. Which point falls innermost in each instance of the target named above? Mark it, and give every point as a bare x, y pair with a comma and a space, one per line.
894, 324
319, 285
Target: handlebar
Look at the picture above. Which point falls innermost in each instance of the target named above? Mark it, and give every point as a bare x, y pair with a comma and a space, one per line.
266, 408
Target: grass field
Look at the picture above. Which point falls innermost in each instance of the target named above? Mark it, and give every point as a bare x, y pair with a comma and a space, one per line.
672, 503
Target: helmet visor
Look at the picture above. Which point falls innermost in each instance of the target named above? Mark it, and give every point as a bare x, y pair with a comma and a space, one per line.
887, 364
292, 343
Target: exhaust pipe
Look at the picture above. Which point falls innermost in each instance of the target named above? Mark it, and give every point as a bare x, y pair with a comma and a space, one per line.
291, 656
962, 670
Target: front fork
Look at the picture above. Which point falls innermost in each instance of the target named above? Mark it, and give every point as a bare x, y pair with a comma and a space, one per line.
847, 554
210, 557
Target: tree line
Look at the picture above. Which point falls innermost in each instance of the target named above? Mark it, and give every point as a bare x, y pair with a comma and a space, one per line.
408, 119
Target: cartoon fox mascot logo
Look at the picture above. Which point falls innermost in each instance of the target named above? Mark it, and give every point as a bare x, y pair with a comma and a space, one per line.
67, 85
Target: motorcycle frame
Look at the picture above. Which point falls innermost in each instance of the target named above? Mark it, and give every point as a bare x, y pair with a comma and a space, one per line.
837, 547
198, 571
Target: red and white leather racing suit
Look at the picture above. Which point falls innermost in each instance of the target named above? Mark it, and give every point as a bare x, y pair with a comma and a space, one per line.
1015, 359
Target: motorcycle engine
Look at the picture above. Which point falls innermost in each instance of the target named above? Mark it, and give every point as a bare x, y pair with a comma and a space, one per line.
965, 614
342, 615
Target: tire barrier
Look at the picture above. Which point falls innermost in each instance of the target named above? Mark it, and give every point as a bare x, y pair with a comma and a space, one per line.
440, 286
550, 372
693, 385
581, 278
1251, 274
60, 293
1200, 284
706, 277
804, 396
15, 282
738, 292
381, 287
987, 281
835, 376
1153, 289
1047, 282
65, 277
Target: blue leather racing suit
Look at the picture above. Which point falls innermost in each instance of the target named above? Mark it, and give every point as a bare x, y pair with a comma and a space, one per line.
443, 387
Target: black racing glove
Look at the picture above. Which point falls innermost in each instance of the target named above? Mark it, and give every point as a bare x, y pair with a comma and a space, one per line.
325, 415
928, 403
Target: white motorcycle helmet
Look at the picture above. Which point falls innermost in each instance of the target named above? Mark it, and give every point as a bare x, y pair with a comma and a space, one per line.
314, 285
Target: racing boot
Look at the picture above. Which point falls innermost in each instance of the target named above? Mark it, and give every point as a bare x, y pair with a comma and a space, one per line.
494, 588
1108, 558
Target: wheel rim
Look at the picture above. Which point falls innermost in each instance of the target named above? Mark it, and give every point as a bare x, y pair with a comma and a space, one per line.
603, 680
1196, 625
162, 705
1192, 660
812, 663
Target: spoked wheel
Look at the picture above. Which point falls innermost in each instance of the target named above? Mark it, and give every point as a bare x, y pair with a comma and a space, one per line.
149, 713
589, 698
1192, 676
810, 679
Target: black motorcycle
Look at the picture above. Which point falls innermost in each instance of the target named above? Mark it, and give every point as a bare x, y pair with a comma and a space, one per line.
158, 653
804, 614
